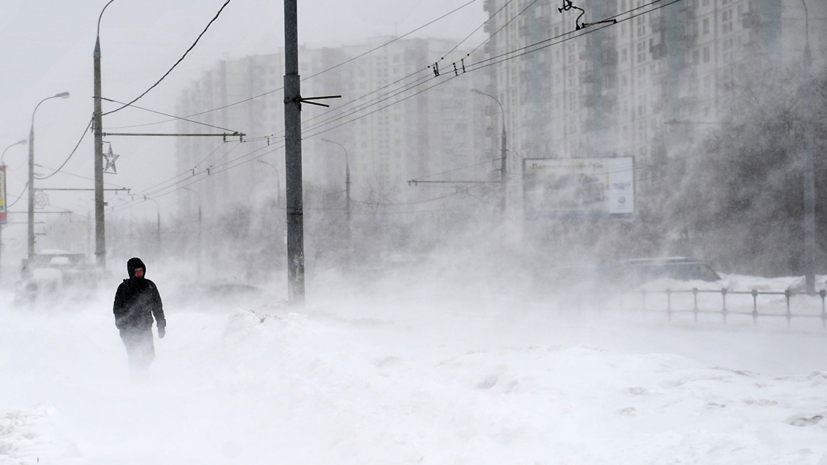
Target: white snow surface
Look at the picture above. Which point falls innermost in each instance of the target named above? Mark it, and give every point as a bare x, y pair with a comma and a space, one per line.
408, 373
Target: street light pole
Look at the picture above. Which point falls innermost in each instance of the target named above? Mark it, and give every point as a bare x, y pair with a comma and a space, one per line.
349, 229
5, 204
278, 181
503, 152
100, 224
198, 269
157, 225
31, 172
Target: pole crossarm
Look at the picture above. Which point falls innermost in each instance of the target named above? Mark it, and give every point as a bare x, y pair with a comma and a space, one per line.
120, 189
414, 182
240, 135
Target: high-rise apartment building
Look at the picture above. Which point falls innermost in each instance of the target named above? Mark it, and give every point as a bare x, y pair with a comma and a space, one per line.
391, 125
578, 87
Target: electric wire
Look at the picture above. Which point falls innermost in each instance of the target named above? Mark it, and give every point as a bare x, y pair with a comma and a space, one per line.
176, 63
565, 37
175, 118
18, 197
71, 154
418, 81
508, 56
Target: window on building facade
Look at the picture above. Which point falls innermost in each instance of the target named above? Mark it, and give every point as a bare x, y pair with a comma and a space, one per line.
706, 55
706, 26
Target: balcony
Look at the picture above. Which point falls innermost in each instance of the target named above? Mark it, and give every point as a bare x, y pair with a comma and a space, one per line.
657, 23
750, 20
658, 51
689, 39
609, 57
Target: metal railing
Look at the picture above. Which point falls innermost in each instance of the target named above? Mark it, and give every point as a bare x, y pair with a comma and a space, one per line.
786, 312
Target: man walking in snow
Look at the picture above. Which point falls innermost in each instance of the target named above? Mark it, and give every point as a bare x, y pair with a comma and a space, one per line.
136, 302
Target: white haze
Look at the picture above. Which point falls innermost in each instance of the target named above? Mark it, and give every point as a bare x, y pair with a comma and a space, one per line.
445, 365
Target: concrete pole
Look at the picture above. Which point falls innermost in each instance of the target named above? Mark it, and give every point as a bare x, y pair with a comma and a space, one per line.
100, 223
809, 175
293, 157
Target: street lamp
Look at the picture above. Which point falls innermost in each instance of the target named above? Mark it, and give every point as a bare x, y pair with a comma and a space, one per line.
100, 225
3, 157
199, 229
31, 172
278, 181
347, 198
503, 159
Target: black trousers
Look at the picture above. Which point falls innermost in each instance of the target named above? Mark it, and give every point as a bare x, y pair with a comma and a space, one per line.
139, 348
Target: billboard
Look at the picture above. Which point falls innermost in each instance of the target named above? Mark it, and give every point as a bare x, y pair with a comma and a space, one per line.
3, 212
581, 188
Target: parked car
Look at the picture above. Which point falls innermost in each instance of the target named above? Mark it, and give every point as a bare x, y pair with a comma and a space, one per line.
637, 271
622, 274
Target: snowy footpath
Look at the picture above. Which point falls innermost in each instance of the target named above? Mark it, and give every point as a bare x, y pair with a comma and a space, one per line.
411, 380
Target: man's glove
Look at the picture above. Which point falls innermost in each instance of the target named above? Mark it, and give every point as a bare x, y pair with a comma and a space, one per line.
162, 331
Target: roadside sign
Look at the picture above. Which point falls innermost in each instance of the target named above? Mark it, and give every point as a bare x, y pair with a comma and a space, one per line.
579, 188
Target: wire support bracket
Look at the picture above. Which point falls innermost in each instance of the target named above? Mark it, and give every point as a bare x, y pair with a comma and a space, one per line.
309, 100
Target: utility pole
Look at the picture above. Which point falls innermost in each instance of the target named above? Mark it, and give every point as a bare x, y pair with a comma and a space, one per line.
293, 157
809, 175
100, 223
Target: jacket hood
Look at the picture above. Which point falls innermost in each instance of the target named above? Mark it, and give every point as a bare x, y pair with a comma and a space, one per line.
132, 264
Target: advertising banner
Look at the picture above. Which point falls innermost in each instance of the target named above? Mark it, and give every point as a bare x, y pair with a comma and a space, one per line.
3, 212
581, 188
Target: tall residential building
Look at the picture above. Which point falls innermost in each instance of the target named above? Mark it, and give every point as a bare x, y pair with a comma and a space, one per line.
394, 122
607, 89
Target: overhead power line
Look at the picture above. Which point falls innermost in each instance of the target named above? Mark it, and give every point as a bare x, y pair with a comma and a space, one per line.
476, 66
176, 63
166, 114
71, 154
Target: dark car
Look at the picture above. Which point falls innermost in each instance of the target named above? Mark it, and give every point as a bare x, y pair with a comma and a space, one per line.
613, 275
637, 271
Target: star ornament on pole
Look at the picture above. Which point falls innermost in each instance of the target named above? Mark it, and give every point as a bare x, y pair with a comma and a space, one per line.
110, 161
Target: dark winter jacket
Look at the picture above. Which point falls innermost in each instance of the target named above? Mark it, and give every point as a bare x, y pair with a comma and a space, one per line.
137, 301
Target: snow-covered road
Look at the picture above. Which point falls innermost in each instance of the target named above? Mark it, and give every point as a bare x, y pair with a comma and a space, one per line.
404, 379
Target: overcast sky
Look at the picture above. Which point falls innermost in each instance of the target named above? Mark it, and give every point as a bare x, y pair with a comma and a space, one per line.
47, 48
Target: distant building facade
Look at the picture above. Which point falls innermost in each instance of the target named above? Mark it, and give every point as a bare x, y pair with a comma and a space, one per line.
610, 92
386, 133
